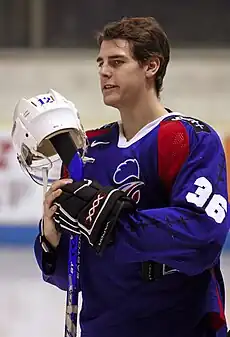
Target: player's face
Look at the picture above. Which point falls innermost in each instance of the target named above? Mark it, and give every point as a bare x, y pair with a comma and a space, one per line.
122, 79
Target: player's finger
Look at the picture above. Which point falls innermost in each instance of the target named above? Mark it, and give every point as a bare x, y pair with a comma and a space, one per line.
48, 201
58, 184
51, 211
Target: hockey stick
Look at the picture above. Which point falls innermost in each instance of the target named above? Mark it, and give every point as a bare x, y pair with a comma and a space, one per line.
68, 153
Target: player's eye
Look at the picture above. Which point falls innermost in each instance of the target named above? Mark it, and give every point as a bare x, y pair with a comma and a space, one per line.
112, 63
117, 63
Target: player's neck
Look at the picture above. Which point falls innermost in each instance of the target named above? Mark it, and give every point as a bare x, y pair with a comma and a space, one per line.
142, 112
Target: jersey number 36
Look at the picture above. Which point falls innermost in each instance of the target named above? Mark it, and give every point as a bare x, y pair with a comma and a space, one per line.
217, 206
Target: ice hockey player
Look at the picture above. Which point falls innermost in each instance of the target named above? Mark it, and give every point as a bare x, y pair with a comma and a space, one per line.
152, 210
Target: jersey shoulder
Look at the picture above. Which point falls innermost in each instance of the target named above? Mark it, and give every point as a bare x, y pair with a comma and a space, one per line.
192, 129
183, 140
192, 123
101, 133
179, 133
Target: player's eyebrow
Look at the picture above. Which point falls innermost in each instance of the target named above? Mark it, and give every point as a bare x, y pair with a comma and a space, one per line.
112, 57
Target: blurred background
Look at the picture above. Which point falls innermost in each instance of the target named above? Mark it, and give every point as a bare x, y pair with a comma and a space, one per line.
51, 44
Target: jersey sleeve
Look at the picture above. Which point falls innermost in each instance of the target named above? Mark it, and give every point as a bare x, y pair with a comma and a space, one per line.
54, 267
189, 234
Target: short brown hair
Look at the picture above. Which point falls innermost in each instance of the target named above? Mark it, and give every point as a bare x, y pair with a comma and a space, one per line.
146, 38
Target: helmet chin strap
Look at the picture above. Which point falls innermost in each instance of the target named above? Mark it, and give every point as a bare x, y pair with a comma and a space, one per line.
64, 146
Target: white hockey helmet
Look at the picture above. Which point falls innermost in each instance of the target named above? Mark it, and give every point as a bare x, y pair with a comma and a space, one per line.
35, 121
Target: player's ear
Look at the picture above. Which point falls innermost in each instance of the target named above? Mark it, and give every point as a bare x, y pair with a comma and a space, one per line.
152, 67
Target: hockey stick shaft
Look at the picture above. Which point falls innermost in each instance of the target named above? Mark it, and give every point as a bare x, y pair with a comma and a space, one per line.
67, 151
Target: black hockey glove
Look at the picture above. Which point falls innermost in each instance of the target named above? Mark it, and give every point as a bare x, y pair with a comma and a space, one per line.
88, 208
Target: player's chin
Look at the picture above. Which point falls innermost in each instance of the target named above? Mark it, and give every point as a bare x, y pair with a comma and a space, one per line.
111, 100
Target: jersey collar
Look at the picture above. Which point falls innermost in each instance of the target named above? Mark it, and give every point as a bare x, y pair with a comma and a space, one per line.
124, 143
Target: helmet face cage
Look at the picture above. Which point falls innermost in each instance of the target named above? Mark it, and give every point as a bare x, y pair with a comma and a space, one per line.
33, 163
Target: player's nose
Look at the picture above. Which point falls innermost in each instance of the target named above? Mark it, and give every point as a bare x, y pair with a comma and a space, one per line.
105, 71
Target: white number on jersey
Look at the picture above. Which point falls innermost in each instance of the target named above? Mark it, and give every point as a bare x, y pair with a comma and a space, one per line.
217, 206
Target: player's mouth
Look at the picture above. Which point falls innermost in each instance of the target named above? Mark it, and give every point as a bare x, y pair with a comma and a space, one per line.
109, 87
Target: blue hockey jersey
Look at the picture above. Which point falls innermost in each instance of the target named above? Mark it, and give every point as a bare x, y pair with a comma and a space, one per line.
160, 275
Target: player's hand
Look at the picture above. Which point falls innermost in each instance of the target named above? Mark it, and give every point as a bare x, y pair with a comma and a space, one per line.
49, 229
88, 208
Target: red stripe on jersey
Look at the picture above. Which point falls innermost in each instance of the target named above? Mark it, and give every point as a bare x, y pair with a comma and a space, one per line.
173, 150
97, 132
217, 319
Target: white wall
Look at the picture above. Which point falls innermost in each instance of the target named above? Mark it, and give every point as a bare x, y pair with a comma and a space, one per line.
197, 83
